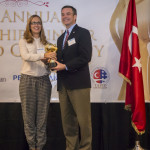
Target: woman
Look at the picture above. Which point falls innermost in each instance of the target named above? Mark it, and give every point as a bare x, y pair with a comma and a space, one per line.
35, 86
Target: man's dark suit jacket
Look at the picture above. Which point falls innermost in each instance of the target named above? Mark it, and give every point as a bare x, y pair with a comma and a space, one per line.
76, 57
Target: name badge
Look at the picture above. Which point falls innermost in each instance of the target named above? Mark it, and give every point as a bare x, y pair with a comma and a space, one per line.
40, 50
71, 42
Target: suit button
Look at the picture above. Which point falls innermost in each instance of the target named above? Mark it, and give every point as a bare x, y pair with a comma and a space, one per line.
62, 60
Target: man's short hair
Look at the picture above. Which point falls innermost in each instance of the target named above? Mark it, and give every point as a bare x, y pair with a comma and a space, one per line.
73, 9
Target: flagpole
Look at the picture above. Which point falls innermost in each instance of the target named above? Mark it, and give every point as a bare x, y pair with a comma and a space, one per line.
137, 144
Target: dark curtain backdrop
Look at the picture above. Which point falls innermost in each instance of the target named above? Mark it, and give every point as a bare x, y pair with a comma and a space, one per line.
110, 122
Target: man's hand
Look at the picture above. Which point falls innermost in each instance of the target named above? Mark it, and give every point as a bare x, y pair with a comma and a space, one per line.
59, 66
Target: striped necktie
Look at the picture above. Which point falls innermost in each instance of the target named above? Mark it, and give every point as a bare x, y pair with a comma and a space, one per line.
67, 35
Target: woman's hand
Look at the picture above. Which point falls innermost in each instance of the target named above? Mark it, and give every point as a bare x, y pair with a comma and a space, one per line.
45, 60
50, 55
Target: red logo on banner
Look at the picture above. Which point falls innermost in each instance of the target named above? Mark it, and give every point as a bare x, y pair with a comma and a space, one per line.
21, 3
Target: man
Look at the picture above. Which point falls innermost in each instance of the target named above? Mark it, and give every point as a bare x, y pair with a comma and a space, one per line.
73, 55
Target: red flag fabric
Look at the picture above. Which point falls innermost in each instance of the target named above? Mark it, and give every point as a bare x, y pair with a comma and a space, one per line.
131, 70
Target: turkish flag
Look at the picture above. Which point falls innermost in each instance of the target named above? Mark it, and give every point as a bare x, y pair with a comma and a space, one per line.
131, 70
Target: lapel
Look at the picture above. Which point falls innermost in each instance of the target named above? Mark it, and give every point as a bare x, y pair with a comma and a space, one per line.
72, 34
61, 40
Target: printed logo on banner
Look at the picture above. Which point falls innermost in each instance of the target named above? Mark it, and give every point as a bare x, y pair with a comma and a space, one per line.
2, 79
16, 77
53, 79
100, 77
21, 3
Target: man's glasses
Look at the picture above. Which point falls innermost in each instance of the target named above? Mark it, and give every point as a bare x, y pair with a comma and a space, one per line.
36, 23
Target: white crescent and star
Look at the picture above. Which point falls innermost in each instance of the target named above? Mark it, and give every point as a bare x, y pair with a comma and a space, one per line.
134, 30
137, 61
137, 64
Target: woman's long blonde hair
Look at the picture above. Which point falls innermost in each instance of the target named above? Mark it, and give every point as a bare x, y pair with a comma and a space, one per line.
28, 34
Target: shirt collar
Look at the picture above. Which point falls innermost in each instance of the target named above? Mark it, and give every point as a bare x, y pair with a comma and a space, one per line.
70, 29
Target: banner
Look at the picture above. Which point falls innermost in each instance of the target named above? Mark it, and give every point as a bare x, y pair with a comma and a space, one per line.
104, 19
